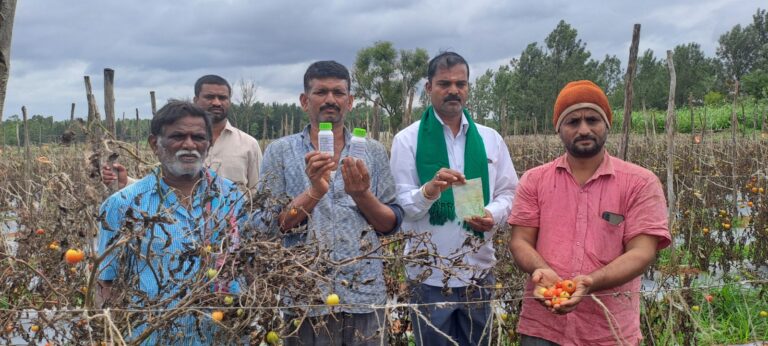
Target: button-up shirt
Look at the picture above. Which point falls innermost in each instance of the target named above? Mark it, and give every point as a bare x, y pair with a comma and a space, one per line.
236, 156
336, 224
451, 237
171, 242
574, 239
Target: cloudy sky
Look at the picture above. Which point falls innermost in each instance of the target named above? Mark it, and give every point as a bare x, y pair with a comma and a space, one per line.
166, 45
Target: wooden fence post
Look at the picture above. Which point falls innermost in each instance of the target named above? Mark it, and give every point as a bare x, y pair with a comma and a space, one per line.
109, 100
7, 13
629, 77
154, 103
27, 158
670, 127
734, 149
137, 131
376, 122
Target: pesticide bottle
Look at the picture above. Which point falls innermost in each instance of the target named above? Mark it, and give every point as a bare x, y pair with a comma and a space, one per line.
357, 146
325, 138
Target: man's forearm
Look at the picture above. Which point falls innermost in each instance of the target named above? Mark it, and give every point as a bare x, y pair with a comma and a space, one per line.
620, 271
641, 251
298, 210
526, 257
379, 215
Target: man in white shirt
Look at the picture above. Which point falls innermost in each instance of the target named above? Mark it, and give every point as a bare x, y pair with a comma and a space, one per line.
235, 155
444, 149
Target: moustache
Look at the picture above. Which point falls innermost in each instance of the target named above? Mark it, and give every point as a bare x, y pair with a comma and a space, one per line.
584, 138
330, 106
183, 152
452, 98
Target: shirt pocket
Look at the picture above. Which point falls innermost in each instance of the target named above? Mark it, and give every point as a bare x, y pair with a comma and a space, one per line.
605, 242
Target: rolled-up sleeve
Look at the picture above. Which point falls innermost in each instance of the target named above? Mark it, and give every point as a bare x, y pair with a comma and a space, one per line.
525, 210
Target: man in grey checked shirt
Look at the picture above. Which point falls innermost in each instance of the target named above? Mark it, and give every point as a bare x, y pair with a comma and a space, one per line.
340, 199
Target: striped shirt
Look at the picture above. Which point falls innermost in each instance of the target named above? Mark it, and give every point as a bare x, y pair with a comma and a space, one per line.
170, 246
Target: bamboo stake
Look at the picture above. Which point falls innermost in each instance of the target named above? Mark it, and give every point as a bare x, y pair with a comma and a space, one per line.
629, 77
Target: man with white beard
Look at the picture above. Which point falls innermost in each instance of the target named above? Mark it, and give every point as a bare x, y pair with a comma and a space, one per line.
166, 224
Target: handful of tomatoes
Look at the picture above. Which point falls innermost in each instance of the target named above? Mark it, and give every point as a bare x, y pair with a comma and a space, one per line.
555, 295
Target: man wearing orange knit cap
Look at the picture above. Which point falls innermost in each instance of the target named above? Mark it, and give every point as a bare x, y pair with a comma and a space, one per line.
590, 218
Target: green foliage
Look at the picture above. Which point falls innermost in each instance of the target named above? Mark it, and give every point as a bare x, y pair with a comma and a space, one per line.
713, 98
389, 78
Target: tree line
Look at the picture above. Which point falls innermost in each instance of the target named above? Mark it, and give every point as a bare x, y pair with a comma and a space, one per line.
515, 98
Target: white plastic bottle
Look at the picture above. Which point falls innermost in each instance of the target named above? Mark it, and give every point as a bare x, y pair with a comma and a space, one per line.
357, 146
325, 138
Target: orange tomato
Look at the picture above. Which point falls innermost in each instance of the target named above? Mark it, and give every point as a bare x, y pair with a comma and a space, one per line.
569, 286
217, 316
74, 256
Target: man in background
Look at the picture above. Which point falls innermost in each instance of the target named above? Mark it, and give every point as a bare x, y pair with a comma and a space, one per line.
234, 155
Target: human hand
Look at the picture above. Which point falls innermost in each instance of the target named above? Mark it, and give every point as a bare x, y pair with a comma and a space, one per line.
583, 283
543, 278
357, 180
116, 172
481, 223
318, 169
443, 180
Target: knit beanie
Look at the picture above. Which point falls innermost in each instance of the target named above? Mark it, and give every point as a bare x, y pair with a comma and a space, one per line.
581, 94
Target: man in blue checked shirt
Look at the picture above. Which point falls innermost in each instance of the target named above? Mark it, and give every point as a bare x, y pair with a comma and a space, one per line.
345, 202
162, 235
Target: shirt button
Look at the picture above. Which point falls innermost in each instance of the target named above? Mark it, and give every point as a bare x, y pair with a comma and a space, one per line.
578, 244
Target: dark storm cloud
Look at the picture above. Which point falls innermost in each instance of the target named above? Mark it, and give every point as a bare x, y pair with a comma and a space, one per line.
165, 46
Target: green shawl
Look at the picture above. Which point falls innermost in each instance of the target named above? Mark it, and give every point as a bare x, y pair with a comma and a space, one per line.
432, 154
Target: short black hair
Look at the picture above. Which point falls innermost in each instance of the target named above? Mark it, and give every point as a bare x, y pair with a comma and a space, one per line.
445, 60
211, 79
175, 110
326, 69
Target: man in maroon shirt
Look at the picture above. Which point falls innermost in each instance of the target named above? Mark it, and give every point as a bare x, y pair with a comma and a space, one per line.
591, 218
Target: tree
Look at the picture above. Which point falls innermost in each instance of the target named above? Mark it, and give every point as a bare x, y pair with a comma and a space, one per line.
650, 82
738, 50
384, 76
610, 77
413, 68
530, 82
481, 97
695, 72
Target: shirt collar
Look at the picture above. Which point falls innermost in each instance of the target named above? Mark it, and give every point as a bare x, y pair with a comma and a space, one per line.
228, 127
605, 168
464, 123
157, 173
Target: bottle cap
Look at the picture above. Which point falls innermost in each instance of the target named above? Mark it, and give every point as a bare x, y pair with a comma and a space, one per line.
358, 132
326, 126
